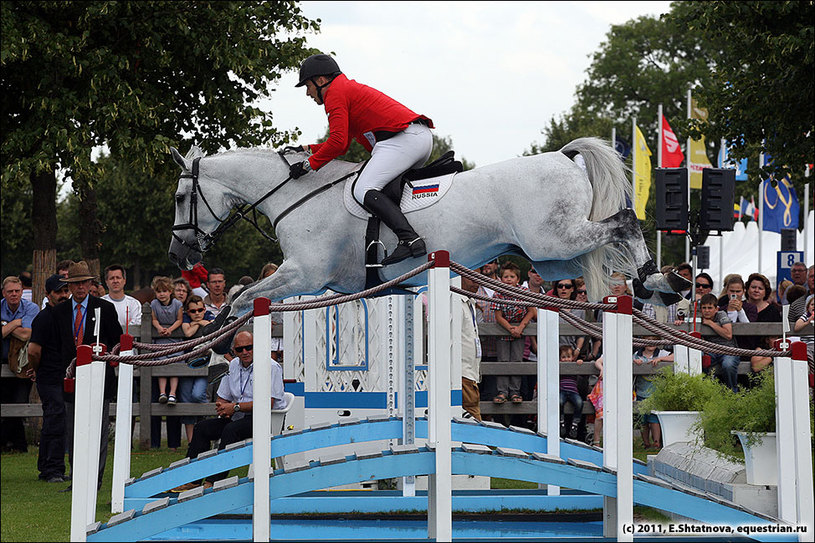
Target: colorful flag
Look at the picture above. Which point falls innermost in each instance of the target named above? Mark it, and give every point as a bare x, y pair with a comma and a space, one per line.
747, 208
622, 147
753, 208
737, 211
697, 154
780, 205
642, 173
672, 155
725, 161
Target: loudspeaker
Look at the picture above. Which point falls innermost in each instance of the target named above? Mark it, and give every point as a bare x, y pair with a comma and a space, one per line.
718, 193
789, 241
672, 199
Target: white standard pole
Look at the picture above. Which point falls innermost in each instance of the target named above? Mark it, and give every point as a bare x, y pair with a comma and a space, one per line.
440, 491
82, 477
805, 496
95, 422
124, 435
549, 391
262, 417
785, 432
611, 419
625, 447
407, 385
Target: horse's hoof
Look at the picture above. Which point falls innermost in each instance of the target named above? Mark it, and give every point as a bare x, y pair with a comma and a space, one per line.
640, 292
677, 282
218, 323
669, 298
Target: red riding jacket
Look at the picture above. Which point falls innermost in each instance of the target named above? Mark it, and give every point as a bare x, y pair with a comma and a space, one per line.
358, 111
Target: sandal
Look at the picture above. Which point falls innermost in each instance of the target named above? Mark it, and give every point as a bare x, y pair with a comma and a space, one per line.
171, 400
162, 398
501, 398
517, 398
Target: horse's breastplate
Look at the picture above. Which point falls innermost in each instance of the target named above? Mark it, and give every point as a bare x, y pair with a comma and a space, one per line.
415, 195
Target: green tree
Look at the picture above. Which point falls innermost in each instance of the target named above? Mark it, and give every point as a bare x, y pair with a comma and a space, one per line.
760, 94
136, 77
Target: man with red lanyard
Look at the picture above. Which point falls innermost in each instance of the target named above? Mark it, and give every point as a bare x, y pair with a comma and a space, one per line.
397, 138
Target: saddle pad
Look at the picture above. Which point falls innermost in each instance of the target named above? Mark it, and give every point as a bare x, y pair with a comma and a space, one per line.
423, 193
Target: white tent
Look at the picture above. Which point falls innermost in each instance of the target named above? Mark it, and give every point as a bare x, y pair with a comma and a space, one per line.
739, 251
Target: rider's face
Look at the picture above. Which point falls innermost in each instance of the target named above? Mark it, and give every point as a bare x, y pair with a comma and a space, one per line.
311, 91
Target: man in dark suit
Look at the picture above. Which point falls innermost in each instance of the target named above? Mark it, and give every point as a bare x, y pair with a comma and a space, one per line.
75, 322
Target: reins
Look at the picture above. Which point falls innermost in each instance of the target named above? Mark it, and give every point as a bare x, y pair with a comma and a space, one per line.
204, 240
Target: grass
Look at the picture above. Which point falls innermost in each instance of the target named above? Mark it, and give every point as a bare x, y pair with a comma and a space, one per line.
33, 510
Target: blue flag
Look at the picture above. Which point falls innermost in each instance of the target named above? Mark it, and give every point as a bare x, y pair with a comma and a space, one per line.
725, 161
780, 205
622, 147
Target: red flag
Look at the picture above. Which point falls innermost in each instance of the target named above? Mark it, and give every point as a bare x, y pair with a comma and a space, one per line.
672, 155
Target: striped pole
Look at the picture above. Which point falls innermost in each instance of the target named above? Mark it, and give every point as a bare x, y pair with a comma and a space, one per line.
262, 417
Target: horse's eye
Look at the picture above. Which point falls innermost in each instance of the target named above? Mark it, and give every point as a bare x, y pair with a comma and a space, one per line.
179, 198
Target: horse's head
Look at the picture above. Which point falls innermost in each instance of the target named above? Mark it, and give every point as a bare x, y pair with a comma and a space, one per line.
198, 208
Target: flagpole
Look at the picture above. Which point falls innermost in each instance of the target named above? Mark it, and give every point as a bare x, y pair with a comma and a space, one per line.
806, 217
659, 165
721, 234
634, 164
688, 164
760, 210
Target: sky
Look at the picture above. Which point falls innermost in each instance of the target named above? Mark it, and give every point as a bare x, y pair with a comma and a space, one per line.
490, 74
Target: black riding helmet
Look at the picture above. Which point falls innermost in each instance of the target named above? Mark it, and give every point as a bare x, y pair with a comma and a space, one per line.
317, 65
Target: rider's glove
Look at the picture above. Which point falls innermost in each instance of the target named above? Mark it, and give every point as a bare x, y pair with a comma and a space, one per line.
293, 149
299, 169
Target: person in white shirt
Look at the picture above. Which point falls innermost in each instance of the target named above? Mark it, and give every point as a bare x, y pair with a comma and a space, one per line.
128, 308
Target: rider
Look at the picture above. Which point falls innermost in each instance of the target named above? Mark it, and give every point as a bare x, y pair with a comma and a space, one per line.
397, 138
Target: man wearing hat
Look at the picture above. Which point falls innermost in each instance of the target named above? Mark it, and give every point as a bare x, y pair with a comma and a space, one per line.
48, 370
75, 321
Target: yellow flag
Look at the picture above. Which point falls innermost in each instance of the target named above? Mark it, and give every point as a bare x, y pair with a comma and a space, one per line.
642, 174
697, 155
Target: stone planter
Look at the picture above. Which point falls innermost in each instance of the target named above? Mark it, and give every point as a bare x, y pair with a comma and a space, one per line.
761, 459
677, 426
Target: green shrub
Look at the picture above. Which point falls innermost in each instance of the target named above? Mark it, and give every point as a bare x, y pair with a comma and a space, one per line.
678, 392
751, 411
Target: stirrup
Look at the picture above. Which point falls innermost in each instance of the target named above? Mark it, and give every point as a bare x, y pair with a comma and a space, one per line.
384, 250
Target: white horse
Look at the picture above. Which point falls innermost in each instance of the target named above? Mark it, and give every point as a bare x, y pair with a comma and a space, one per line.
566, 219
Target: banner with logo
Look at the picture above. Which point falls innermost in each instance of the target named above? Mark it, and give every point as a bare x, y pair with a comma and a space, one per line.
672, 155
642, 173
697, 154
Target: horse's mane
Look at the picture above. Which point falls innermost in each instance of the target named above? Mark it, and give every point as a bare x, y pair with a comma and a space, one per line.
196, 152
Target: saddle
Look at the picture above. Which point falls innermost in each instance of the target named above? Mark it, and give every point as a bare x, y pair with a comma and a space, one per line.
395, 190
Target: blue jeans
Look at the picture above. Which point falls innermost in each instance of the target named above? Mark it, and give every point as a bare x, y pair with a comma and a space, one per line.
730, 369
577, 403
192, 390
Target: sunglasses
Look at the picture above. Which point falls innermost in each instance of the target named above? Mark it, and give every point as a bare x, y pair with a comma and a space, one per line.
582, 292
703, 285
564, 285
196, 310
240, 349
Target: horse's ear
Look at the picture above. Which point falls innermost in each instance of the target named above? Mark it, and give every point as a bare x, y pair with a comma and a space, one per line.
178, 159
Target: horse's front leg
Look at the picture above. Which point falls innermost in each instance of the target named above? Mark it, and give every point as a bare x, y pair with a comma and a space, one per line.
289, 279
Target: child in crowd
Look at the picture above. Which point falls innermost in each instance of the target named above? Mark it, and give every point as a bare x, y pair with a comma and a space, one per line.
721, 324
569, 392
167, 317
643, 387
514, 319
596, 399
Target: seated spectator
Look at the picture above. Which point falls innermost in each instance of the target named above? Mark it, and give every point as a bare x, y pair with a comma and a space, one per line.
268, 269
727, 365
759, 363
781, 292
704, 285
513, 318
234, 407
193, 389
235, 290
686, 271
596, 399
797, 307
758, 294
182, 290
732, 300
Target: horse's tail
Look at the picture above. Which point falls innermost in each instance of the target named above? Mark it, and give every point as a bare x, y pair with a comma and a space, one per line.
610, 188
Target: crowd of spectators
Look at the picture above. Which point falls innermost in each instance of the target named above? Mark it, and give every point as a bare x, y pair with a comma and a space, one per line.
179, 308
737, 301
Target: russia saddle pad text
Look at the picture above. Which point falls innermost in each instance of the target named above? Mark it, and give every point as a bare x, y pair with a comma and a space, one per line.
423, 193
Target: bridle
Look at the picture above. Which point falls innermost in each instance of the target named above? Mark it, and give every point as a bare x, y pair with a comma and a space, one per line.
204, 241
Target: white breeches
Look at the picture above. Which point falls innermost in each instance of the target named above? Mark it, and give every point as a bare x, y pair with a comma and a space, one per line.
390, 158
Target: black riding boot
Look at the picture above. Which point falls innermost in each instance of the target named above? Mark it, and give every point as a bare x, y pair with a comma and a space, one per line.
410, 244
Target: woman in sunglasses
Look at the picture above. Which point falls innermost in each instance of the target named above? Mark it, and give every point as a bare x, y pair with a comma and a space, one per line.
193, 389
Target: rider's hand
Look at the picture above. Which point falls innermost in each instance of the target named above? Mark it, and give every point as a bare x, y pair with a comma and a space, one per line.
293, 149
299, 169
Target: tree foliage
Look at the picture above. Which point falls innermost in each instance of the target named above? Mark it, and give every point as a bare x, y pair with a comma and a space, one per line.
760, 95
138, 77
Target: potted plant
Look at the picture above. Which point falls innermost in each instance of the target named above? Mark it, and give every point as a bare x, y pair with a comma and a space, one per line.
741, 426
677, 399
